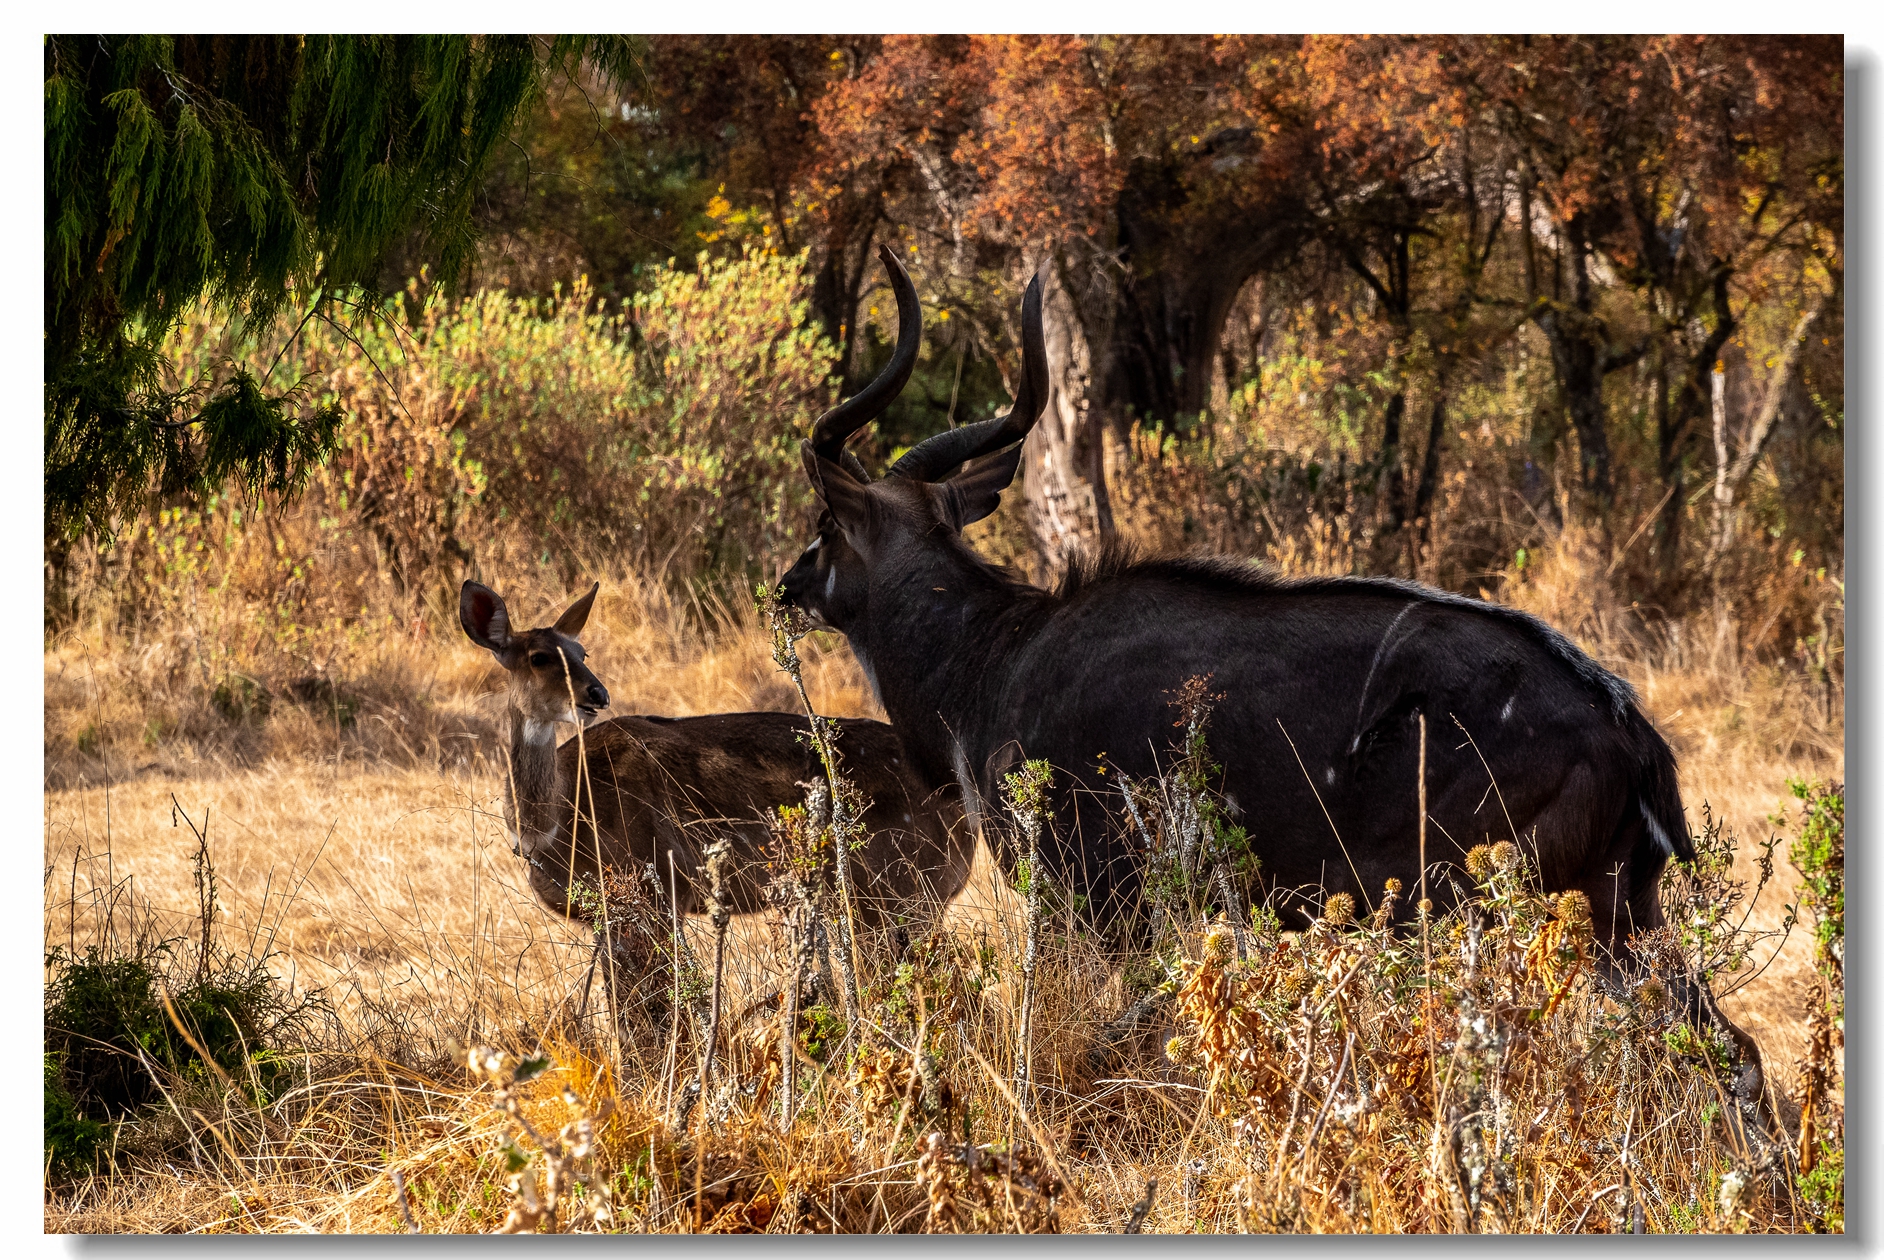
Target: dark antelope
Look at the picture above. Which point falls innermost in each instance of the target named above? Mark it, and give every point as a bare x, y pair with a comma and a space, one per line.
657, 791
1325, 679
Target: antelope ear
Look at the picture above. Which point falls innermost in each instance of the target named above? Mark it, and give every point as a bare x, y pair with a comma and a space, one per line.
842, 493
975, 491
577, 614
485, 620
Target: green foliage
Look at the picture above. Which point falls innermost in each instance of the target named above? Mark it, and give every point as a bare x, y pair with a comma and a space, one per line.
244, 171
1026, 788
1824, 1187
1710, 1048
696, 986
663, 434
822, 1030
1706, 907
112, 1047
72, 1140
249, 438
1819, 853
598, 182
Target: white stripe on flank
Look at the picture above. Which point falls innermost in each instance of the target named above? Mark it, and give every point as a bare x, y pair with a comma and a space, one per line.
1360, 710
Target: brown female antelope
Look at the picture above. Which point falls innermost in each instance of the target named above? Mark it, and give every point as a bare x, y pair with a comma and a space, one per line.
656, 791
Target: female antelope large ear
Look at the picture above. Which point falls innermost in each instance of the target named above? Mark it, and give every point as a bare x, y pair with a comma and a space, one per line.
577, 614
842, 493
485, 620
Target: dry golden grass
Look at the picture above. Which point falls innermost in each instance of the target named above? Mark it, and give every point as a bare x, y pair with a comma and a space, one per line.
371, 857
384, 691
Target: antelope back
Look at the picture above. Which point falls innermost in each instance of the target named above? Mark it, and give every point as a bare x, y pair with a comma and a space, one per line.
655, 792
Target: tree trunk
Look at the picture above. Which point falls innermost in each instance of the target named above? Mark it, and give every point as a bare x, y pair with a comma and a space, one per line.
1393, 471
1391, 484
1692, 398
837, 289
1730, 475
1064, 459
1576, 352
1167, 334
1579, 352
1180, 282
1428, 486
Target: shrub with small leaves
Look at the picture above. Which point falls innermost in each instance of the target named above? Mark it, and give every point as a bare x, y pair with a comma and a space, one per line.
1819, 855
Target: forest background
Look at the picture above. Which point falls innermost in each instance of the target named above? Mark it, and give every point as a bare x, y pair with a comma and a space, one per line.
1424, 302
1557, 322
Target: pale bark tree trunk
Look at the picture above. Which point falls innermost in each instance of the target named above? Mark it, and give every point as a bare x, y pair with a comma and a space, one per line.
1064, 463
1731, 474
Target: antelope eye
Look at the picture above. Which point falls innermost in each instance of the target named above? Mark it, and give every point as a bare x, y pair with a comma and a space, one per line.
542, 660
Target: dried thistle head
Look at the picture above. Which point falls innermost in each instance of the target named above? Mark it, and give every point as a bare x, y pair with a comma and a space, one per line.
1653, 994
1506, 857
1219, 946
1573, 908
1394, 887
1293, 984
1339, 912
1478, 862
1426, 907
1181, 1049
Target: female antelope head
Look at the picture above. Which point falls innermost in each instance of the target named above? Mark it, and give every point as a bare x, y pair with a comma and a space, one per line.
549, 682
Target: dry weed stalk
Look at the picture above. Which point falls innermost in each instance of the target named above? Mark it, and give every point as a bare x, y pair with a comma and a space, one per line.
567, 1194
1026, 791
837, 805
719, 914
797, 837
977, 1189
